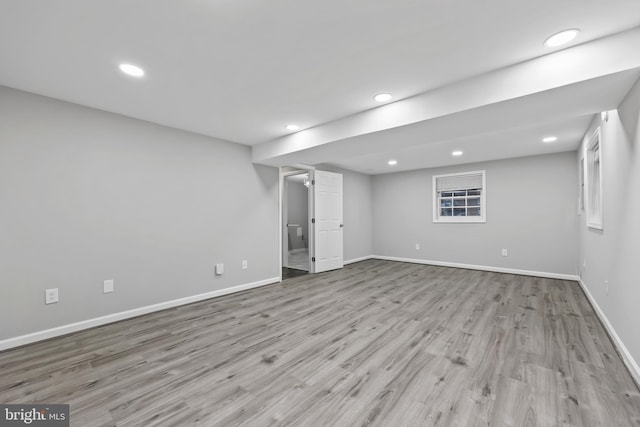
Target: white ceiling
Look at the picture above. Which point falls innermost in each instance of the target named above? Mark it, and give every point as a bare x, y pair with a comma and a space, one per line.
241, 70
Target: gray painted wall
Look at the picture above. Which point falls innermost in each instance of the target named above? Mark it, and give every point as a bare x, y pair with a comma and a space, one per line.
357, 212
297, 213
531, 211
612, 254
87, 196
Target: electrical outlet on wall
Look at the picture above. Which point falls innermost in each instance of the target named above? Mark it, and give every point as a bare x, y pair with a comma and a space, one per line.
505, 252
245, 264
51, 296
417, 246
219, 269
107, 286
606, 287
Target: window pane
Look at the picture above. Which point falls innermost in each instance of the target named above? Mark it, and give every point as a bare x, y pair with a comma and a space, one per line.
459, 202
473, 212
474, 192
460, 193
444, 203
446, 194
459, 212
473, 202
445, 212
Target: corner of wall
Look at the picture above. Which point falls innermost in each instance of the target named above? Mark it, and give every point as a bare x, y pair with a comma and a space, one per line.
625, 354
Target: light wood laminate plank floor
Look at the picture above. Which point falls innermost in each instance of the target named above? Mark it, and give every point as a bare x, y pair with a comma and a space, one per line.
376, 343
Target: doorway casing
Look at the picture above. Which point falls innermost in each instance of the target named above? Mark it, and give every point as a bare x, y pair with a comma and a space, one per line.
331, 231
284, 173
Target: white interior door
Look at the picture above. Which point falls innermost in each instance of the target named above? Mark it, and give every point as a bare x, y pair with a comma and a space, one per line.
327, 206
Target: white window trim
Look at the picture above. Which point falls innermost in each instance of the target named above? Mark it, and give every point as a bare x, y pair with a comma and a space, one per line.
581, 182
594, 220
460, 219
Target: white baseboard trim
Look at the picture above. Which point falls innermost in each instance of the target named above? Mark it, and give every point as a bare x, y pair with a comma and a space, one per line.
483, 268
626, 356
362, 258
115, 317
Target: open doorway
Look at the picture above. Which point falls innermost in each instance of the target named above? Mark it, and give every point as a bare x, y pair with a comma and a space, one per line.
311, 221
295, 227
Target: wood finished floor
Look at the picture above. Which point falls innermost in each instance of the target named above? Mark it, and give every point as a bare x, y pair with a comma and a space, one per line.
376, 343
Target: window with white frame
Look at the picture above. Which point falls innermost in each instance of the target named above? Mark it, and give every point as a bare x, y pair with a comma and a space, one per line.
459, 197
593, 200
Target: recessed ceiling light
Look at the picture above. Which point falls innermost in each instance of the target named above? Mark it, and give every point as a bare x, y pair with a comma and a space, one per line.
382, 97
563, 37
550, 139
132, 70
293, 127
457, 153
392, 162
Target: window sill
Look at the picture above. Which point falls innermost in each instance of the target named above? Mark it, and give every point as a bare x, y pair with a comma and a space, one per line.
460, 221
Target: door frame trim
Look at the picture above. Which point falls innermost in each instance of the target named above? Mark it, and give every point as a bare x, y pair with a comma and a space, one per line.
283, 172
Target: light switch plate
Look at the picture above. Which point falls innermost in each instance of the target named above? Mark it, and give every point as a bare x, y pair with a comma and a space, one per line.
219, 269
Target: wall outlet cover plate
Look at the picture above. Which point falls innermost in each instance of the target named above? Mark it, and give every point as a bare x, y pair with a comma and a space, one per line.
107, 286
51, 296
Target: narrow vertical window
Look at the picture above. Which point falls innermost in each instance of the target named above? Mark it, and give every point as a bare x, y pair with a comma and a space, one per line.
593, 202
